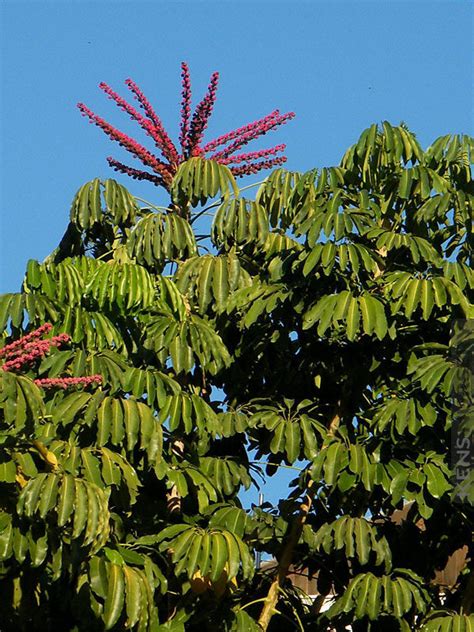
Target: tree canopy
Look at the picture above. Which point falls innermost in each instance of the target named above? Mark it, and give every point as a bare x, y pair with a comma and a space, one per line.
322, 324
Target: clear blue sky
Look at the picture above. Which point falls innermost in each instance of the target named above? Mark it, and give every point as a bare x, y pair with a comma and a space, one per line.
339, 65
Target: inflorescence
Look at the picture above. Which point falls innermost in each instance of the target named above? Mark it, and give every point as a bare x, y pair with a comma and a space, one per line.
192, 128
29, 348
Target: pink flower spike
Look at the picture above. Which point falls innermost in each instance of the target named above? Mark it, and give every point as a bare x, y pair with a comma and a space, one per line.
261, 129
133, 147
66, 382
122, 104
147, 126
222, 149
185, 107
250, 169
167, 147
253, 155
202, 113
8, 349
226, 138
29, 348
137, 174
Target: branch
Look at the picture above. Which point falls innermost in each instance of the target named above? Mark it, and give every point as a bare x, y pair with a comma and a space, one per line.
296, 530
173, 498
468, 596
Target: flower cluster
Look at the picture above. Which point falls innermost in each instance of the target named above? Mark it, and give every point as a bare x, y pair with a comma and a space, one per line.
66, 382
15, 347
192, 129
32, 347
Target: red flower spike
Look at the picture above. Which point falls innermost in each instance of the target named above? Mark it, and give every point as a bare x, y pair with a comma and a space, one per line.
255, 167
169, 152
167, 147
30, 347
254, 155
192, 129
131, 145
66, 382
18, 344
201, 116
263, 126
185, 106
136, 174
226, 138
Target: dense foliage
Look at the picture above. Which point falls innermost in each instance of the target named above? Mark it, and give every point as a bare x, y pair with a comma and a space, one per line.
316, 333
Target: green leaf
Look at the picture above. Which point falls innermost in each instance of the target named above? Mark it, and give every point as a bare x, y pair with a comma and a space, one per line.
435, 480
115, 598
353, 319
7, 472
195, 183
219, 555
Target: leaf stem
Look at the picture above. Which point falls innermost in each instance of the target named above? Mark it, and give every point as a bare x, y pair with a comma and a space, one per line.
158, 208
288, 467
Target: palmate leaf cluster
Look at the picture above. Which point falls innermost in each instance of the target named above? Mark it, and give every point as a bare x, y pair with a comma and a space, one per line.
316, 332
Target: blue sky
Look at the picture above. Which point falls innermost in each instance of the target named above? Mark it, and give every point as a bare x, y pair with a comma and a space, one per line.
339, 65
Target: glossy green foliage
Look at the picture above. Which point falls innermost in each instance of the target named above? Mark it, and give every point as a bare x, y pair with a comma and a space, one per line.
312, 330
198, 180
